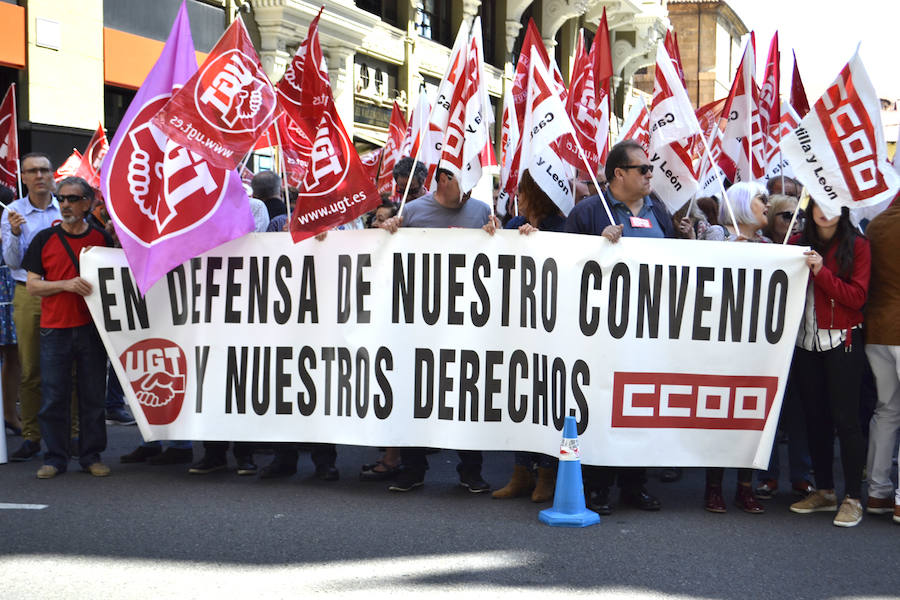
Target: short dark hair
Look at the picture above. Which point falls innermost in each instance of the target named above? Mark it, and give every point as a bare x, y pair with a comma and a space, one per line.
36, 155
443, 172
618, 157
405, 165
86, 188
777, 181
265, 185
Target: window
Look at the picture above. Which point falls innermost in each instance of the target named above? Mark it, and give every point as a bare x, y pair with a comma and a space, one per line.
488, 13
433, 20
386, 9
364, 75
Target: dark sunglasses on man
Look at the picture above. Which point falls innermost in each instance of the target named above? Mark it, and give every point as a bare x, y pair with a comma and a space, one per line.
644, 169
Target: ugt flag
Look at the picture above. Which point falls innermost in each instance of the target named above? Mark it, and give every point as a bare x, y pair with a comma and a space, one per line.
167, 203
838, 151
221, 110
9, 140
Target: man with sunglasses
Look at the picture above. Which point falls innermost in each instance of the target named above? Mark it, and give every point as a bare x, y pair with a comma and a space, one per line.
628, 171
68, 336
20, 223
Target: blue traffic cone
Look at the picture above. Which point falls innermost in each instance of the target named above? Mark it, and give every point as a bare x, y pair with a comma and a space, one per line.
569, 509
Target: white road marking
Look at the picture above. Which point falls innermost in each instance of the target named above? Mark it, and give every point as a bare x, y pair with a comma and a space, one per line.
9, 506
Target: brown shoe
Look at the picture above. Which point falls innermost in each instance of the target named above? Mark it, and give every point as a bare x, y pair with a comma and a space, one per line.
546, 485
746, 501
879, 506
713, 500
520, 484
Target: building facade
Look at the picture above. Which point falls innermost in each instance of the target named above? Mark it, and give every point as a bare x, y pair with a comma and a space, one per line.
79, 62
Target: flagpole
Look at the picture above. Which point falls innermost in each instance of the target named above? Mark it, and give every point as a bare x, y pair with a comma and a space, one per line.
715, 169
423, 138
284, 182
590, 171
804, 193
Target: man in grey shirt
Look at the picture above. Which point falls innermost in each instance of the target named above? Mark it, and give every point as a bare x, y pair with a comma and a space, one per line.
445, 207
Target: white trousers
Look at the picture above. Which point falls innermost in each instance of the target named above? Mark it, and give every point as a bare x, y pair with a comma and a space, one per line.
885, 362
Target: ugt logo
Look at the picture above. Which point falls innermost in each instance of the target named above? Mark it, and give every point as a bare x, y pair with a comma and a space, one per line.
236, 96
157, 369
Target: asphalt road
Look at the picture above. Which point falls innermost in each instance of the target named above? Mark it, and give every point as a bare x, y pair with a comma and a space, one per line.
159, 532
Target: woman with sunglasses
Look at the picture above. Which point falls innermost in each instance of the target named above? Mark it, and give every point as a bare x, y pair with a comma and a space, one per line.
828, 358
748, 201
780, 211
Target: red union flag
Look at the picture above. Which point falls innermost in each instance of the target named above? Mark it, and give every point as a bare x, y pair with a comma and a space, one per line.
168, 204
336, 187
838, 150
637, 125
89, 169
391, 151
672, 117
296, 149
769, 96
743, 143
70, 167
778, 165
221, 110
581, 106
9, 140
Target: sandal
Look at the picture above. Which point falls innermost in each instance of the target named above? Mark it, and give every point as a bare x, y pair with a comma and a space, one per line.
372, 472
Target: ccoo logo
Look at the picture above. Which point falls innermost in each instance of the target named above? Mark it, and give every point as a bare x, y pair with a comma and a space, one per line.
156, 369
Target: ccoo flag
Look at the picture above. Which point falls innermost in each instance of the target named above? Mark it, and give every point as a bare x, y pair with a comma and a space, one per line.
838, 150
167, 203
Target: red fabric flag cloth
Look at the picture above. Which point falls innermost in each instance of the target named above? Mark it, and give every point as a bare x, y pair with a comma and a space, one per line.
221, 110
9, 140
743, 143
336, 188
769, 94
798, 94
581, 106
296, 149
671, 44
391, 152
70, 167
92, 159
601, 59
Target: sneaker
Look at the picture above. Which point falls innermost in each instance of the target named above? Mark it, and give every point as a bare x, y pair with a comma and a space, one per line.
474, 483
817, 501
246, 467
97, 469
47, 472
140, 454
26, 451
119, 416
278, 469
208, 464
896, 513
803, 488
172, 456
851, 513
407, 481
767, 489
879, 506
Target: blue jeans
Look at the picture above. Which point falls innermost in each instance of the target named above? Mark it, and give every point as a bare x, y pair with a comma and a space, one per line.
61, 349
115, 397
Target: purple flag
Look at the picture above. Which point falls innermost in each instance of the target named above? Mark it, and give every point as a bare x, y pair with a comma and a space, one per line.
167, 203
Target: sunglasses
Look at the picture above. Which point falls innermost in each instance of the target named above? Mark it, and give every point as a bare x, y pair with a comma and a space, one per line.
644, 169
70, 198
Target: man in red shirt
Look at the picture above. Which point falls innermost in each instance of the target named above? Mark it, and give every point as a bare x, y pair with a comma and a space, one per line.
68, 336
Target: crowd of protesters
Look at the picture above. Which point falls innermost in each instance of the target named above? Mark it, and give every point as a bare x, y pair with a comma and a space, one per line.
844, 380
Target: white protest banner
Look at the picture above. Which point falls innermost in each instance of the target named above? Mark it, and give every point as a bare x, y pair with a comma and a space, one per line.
666, 352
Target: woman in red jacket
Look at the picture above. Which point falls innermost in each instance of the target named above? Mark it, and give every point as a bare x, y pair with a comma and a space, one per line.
828, 359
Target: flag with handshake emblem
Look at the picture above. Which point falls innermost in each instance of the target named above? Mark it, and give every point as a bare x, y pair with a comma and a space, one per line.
337, 187
223, 107
167, 203
838, 150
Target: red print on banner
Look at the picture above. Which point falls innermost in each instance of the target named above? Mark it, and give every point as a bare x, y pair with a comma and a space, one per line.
157, 370
220, 111
171, 189
851, 135
689, 401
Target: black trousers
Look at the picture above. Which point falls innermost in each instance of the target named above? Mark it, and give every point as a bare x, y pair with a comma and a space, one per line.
241, 450
413, 459
715, 475
629, 478
828, 384
322, 455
